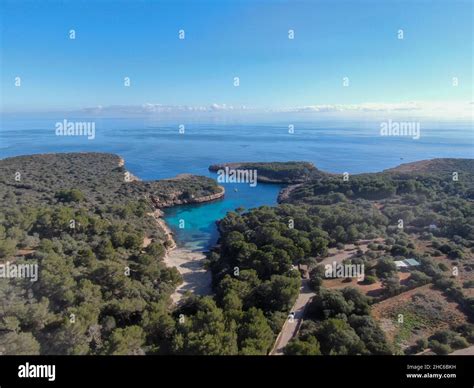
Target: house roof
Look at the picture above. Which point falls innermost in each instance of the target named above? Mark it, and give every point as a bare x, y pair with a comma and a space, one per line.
401, 263
412, 262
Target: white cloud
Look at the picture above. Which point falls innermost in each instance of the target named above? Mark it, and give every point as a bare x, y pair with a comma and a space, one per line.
364, 107
436, 110
161, 108
448, 110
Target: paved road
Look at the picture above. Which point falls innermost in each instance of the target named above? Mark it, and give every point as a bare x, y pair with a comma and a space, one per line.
290, 328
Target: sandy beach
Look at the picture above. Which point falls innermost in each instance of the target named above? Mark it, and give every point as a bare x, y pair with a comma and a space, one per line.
189, 263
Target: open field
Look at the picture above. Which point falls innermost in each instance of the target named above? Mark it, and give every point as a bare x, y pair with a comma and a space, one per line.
374, 289
421, 311
465, 266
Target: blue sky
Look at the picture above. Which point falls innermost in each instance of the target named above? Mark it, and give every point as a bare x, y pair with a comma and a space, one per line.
225, 39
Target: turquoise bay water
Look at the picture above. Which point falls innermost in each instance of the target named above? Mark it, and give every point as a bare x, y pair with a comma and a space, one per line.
199, 230
154, 149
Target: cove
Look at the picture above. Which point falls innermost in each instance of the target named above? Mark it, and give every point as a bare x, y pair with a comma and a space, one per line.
199, 220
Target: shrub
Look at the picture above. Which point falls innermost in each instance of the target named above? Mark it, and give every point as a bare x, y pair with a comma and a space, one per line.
468, 284
421, 344
456, 254
439, 348
459, 343
443, 267
418, 278
72, 195
369, 279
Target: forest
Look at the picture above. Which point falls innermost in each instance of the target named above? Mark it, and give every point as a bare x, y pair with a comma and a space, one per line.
263, 246
101, 291
276, 172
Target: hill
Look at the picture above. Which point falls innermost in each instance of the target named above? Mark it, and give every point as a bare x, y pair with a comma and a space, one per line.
275, 172
90, 232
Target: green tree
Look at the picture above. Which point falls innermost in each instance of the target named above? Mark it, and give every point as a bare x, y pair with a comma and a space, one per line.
7, 247
203, 331
336, 337
385, 267
16, 344
255, 335
127, 341
297, 347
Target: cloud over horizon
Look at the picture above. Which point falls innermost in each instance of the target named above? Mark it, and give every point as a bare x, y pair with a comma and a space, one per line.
438, 109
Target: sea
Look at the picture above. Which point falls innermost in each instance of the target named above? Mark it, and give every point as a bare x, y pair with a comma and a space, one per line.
158, 149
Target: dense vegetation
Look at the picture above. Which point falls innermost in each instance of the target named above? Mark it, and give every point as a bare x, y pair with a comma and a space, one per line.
339, 323
277, 172
260, 247
101, 178
101, 290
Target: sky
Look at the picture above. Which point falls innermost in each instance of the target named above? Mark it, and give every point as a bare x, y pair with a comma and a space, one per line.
245, 39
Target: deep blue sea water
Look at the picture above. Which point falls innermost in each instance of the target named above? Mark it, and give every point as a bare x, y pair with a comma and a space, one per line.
155, 149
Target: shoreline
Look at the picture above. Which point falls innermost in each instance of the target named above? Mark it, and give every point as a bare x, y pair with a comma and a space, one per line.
192, 201
189, 263
157, 206
170, 241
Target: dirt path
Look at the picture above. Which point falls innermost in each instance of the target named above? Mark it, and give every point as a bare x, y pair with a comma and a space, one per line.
349, 250
291, 327
464, 352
